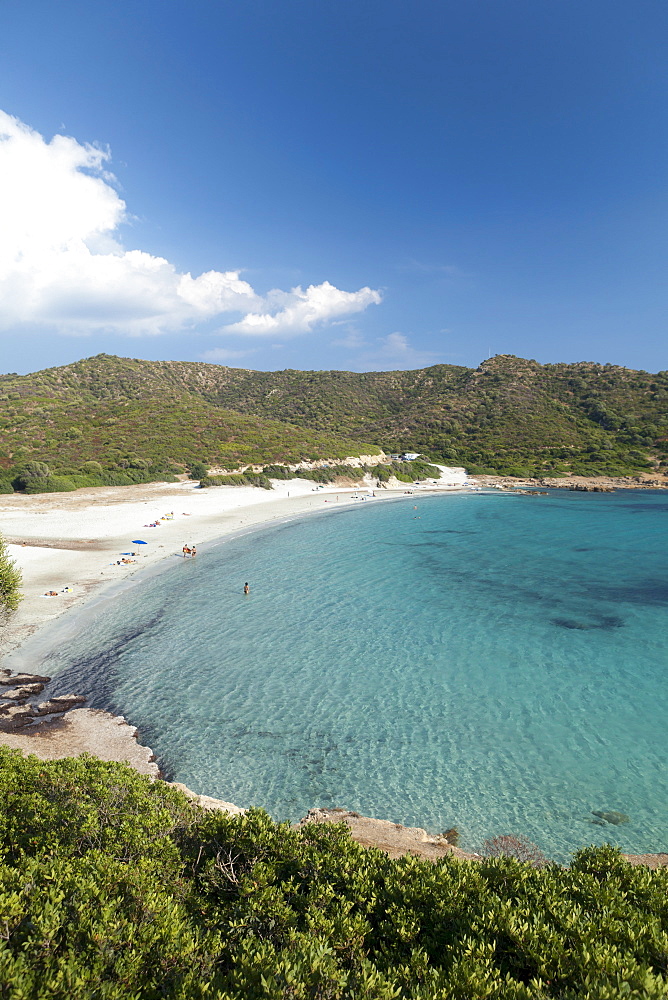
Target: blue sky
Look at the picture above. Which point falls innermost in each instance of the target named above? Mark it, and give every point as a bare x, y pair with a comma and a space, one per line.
351, 185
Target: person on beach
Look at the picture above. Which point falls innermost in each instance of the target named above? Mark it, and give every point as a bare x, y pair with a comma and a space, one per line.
246, 589
186, 551
193, 552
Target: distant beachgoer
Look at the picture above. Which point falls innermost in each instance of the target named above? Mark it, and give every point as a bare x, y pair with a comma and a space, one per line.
246, 589
186, 551
193, 552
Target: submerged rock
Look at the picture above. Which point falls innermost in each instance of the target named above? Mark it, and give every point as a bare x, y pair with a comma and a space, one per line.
602, 621
571, 623
611, 816
611, 621
23, 692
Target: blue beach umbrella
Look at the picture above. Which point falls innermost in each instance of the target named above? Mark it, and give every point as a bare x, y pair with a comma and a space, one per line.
138, 541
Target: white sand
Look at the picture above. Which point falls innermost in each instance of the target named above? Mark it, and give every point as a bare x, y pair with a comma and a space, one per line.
74, 540
61, 540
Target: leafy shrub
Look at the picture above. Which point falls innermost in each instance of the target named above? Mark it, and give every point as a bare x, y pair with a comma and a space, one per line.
92, 468
115, 886
405, 472
330, 473
35, 470
240, 479
116, 479
198, 470
55, 484
10, 581
32, 476
278, 472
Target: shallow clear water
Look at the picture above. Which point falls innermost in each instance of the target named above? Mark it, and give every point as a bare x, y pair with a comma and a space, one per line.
492, 662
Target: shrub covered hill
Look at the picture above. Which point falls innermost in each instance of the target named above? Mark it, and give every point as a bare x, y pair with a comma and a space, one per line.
510, 416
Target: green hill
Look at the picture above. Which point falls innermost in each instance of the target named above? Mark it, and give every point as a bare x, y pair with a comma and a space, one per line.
509, 415
141, 420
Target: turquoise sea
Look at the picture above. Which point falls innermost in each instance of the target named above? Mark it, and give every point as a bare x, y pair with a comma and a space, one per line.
489, 661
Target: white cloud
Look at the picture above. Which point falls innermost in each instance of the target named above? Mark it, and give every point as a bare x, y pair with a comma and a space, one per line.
299, 310
63, 265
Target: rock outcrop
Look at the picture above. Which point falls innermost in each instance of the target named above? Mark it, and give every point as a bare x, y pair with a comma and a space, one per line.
22, 693
82, 730
15, 713
392, 838
207, 802
14, 717
60, 703
7, 677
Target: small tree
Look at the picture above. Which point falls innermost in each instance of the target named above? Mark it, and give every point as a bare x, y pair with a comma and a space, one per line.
10, 581
198, 470
32, 476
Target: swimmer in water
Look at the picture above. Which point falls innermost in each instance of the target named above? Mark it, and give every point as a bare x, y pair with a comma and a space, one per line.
246, 589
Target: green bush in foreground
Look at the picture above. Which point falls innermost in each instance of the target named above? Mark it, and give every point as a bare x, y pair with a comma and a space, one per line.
113, 886
10, 581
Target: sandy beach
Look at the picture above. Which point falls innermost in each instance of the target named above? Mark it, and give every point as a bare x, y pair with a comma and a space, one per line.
77, 540
73, 543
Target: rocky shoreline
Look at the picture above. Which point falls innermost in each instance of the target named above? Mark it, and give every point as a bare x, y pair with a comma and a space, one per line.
60, 727
585, 484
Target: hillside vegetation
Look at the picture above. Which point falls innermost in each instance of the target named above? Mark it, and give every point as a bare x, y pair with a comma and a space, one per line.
509, 415
117, 887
